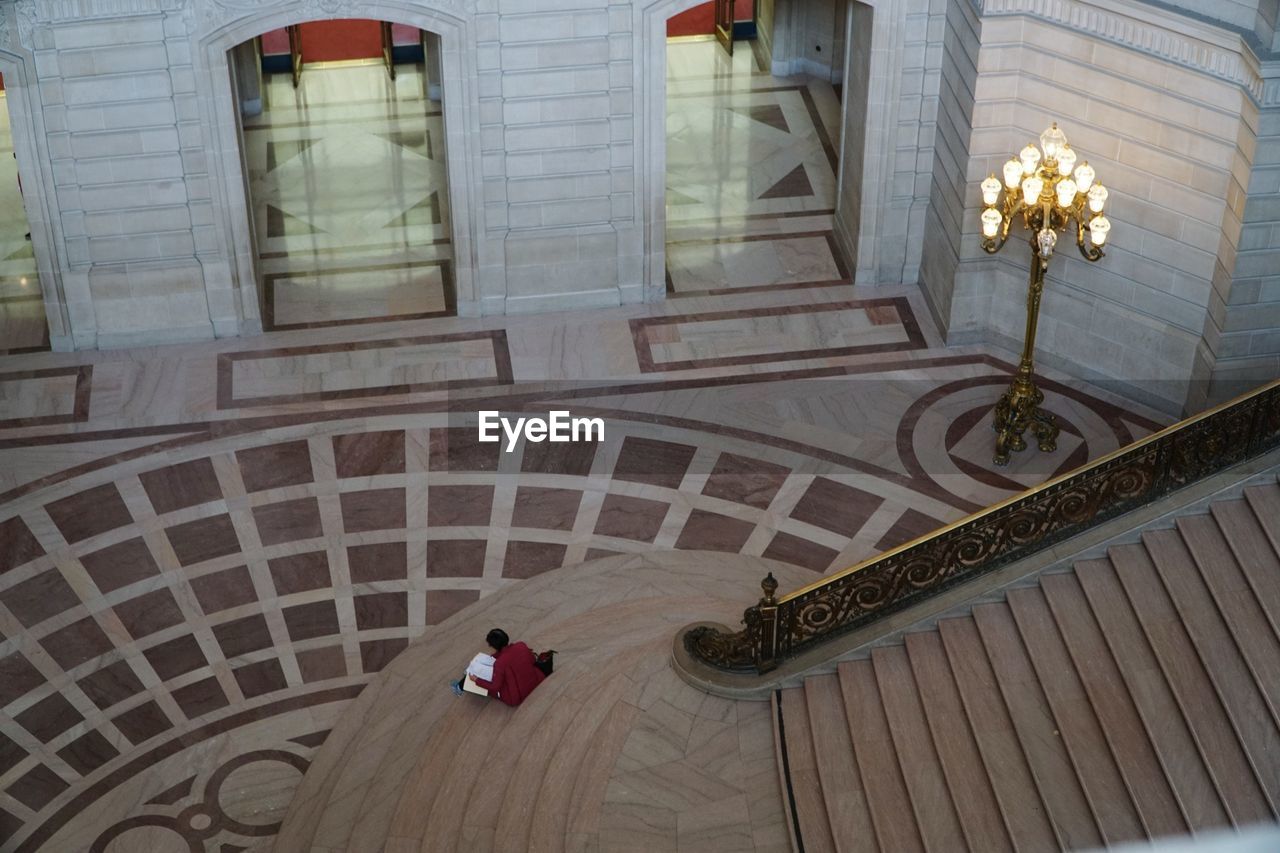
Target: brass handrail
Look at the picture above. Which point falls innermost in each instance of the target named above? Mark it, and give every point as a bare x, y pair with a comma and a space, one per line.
1022, 525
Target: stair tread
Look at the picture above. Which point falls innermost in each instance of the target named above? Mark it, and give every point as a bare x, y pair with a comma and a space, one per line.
1234, 596
1108, 696
842, 788
806, 787
1206, 714
528, 776
1265, 502
414, 804
971, 789
1254, 554
1153, 699
1036, 728
1217, 648
877, 759
921, 769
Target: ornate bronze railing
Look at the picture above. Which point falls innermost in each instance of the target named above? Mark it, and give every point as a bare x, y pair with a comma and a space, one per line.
780, 628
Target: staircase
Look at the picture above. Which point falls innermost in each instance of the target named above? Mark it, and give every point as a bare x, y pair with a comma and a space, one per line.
1135, 696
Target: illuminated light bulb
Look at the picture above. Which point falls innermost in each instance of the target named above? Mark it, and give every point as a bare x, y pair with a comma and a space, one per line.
1066, 160
1097, 197
1012, 174
1030, 157
1066, 190
1046, 239
23, 281
1084, 176
990, 190
1099, 227
1052, 141
991, 220
1031, 188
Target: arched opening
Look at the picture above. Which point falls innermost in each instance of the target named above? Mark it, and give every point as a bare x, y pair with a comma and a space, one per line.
342, 141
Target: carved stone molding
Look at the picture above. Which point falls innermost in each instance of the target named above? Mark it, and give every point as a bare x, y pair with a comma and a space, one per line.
1215, 51
218, 12
53, 11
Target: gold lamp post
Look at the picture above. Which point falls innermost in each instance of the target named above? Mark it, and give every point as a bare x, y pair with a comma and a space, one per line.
1050, 193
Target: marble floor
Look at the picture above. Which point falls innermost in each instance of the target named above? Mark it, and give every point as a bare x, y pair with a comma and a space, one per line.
22, 320
350, 201
207, 552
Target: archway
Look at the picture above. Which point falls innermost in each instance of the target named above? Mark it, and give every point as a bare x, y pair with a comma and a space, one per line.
230, 170
32, 305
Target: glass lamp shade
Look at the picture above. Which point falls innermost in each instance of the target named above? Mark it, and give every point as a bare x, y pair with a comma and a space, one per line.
1099, 227
1066, 160
1030, 157
1066, 190
1046, 239
991, 220
1052, 141
1084, 176
1097, 197
1031, 188
1012, 174
990, 190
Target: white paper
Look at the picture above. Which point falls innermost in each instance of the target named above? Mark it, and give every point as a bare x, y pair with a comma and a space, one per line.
481, 666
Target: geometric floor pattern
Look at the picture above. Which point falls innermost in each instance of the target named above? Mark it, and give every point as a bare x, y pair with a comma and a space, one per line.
207, 551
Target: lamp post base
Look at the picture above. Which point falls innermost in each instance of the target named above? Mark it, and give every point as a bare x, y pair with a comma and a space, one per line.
1018, 409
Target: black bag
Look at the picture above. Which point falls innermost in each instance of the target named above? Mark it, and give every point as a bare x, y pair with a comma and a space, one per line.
545, 661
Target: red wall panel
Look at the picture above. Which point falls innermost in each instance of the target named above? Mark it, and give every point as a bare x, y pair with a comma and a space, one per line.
330, 41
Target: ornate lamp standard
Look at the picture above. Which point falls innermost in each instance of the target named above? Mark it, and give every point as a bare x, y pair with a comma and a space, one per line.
1051, 193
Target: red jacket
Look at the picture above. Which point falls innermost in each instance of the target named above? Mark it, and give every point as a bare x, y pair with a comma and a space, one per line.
514, 675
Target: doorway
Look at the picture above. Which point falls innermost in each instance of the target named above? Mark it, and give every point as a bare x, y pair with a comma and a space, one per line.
751, 168
342, 139
23, 323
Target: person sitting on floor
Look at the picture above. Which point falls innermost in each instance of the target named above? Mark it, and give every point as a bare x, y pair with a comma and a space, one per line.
514, 673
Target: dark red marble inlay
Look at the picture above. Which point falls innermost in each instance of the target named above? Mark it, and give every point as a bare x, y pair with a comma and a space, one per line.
36, 599
203, 539
574, 459
300, 572
449, 506
374, 509
10, 754
443, 603
36, 788
656, 463
375, 654
120, 565
276, 465
149, 613
369, 454
255, 679
455, 558
90, 512
180, 486
460, 449
836, 507
9, 825
176, 657
88, 752
526, 559
383, 561
200, 698
241, 636
710, 531
17, 677
599, 554
111, 684
142, 723
800, 552
547, 509
224, 590
631, 518
317, 619
76, 643
382, 610
322, 664
753, 482
18, 545
910, 525
288, 521
49, 717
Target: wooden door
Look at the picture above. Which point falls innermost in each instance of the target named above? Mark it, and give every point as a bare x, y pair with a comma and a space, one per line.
724, 24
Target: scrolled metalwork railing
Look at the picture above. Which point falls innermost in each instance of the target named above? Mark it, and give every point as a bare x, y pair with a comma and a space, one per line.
776, 629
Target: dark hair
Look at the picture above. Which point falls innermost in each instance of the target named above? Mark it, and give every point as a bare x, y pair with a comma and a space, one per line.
497, 639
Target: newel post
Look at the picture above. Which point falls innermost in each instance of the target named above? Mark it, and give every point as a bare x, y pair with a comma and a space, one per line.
766, 651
